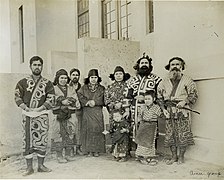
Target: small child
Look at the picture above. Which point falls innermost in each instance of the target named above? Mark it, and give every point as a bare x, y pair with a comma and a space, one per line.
146, 133
119, 131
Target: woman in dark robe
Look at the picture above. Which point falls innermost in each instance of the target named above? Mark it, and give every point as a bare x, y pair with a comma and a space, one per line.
91, 97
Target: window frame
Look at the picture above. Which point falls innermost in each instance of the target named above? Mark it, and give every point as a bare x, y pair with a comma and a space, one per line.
83, 27
118, 19
149, 16
21, 34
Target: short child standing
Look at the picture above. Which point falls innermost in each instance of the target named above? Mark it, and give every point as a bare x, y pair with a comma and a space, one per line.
120, 136
146, 133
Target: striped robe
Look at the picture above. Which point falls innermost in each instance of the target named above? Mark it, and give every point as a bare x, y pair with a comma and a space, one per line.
178, 126
146, 133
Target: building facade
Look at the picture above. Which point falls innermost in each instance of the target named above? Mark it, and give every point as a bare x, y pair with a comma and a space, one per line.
105, 33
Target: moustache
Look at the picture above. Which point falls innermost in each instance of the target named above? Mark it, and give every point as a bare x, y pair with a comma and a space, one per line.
144, 67
175, 69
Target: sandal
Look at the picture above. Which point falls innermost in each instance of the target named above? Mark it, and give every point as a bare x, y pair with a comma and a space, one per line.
96, 154
144, 161
123, 159
171, 161
152, 162
90, 154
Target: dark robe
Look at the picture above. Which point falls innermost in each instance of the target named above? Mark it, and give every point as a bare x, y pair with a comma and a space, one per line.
92, 138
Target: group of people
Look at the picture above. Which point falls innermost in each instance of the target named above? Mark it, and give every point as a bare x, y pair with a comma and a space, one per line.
134, 105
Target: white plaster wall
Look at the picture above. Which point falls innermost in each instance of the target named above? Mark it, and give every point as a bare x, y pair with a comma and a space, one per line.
29, 34
139, 30
65, 60
208, 126
5, 51
105, 55
192, 30
56, 27
10, 115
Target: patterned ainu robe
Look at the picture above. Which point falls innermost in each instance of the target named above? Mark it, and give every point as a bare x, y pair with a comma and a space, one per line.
65, 123
138, 85
120, 140
178, 126
33, 95
92, 138
114, 94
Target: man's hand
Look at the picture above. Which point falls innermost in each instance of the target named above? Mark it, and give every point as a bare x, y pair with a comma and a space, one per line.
24, 107
166, 113
39, 109
140, 97
126, 115
123, 130
181, 104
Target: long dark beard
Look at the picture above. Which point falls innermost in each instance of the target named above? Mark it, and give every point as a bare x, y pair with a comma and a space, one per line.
175, 75
144, 71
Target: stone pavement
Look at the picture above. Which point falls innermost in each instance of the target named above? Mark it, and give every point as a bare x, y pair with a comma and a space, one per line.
104, 167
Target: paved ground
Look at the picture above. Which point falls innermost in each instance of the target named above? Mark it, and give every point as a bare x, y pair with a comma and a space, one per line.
104, 167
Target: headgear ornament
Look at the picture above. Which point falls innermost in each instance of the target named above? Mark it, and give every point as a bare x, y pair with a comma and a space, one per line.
136, 66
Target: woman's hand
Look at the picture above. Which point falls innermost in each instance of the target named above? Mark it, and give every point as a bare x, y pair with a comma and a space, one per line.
118, 105
66, 102
91, 103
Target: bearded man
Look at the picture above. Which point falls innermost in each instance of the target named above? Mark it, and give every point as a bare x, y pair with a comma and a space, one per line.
176, 94
74, 85
35, 95
143, 81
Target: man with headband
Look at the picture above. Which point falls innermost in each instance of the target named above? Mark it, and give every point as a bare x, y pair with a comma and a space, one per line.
176, 94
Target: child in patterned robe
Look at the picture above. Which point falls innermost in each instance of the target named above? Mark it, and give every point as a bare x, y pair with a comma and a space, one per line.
120, 136
146, 133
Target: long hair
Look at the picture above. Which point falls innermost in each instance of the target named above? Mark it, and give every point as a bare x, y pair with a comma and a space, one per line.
86, 80
136, 66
